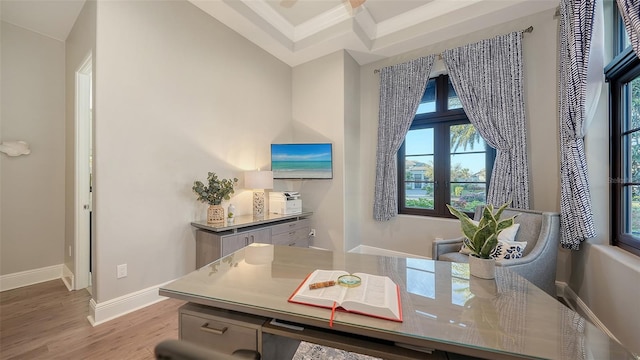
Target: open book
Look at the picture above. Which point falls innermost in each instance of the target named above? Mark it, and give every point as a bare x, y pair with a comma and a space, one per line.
376, 296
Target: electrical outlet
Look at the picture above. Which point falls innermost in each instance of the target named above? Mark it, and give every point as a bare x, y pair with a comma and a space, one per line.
122, 271
312, 233
69, 250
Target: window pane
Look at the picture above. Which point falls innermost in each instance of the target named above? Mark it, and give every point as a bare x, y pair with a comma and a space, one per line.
631, 141
631, 92
468, 167
632, 195
453, 101
626, 41
633, 162
466, 196
465, 138
419, 195
419, 142
428, 102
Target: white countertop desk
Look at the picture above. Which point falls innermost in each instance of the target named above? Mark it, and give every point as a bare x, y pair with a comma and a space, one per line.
443, 307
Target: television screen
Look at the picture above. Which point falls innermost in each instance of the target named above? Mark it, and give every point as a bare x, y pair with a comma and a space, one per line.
301, 161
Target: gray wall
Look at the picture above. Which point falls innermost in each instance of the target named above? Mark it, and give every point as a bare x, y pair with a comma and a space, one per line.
32, 192
177, 94
318, 115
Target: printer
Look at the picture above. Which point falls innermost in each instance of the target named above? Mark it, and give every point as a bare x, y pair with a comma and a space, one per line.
285, 203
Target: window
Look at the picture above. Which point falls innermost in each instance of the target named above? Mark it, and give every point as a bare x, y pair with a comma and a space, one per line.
623, 73
443, 159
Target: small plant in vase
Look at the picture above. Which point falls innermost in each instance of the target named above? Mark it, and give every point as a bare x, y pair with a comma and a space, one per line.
213, 193
481, 237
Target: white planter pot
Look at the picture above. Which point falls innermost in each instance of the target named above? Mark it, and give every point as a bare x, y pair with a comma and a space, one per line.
482, 268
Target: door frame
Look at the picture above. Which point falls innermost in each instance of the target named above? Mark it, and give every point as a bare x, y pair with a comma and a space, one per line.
83, 203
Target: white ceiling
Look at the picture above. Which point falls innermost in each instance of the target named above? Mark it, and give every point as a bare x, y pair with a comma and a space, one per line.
297, 31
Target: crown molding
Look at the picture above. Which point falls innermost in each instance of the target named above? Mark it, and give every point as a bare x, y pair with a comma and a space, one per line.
340, 28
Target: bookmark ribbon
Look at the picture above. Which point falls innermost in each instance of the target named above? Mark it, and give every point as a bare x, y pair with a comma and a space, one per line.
333, 313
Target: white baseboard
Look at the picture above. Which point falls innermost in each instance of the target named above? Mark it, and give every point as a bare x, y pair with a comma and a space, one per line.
564, 291
30, 277
108, 310
68, 278
371, 250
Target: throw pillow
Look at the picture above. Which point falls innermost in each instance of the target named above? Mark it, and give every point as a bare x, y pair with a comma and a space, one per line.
507, 250
507, 247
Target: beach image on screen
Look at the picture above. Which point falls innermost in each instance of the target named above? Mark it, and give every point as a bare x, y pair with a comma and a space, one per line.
301, 161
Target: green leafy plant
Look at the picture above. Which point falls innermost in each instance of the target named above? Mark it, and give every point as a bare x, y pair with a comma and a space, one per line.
482, 237
216, 190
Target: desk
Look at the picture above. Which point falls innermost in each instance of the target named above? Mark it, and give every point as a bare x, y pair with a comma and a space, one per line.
444, 308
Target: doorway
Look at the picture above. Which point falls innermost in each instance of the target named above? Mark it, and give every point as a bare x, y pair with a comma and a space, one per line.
83, 175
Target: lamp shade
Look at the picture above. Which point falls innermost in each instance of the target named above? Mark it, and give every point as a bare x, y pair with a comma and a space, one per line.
258, 179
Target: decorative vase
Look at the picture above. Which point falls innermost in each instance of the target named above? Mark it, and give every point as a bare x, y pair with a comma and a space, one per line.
482, 268
215, 214
231, 213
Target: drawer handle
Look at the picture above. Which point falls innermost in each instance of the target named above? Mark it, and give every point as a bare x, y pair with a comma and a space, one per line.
206, 328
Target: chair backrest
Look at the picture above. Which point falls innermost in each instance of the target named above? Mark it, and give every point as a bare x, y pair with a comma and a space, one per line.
530, 224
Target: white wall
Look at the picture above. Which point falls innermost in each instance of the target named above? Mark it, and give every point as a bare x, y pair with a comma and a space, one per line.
32, 187
319, 115
353, 190
177, 94
414, 234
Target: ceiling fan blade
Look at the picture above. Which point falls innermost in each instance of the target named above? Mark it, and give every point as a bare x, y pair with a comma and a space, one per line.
356, 3
287, 3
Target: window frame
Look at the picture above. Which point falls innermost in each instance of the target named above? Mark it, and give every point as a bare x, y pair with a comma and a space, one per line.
624, 67
440, 120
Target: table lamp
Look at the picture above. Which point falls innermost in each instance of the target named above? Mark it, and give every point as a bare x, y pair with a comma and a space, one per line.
258, 181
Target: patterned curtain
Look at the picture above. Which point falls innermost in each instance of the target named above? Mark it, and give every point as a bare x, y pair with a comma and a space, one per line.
487, 77
576, 24
630, 11
401, 88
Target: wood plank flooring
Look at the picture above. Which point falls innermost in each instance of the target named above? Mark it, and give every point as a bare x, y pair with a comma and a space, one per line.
46, 321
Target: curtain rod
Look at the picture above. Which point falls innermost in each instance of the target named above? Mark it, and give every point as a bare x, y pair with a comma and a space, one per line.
527, 30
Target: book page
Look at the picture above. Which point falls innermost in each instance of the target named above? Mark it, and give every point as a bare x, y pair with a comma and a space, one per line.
372, 291
377, 295
323, 296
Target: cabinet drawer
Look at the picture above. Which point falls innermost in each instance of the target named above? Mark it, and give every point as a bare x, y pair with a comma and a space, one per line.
220, 332
290, 226
292, 238
219, 335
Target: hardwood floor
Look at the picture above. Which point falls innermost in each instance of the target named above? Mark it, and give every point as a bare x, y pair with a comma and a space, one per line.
46, 321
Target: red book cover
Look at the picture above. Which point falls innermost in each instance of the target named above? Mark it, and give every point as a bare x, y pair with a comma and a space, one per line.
373, 295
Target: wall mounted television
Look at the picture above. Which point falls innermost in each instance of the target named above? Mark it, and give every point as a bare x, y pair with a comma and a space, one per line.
302, 161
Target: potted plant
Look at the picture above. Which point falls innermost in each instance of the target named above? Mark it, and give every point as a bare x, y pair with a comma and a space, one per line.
481, 238
213, 193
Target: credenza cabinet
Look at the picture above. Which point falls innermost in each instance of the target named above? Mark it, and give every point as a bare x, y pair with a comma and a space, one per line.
213, 243
295, 233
